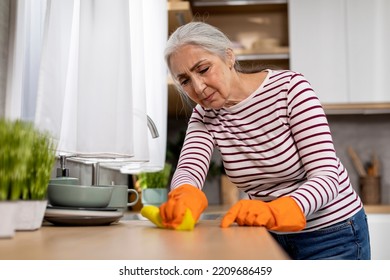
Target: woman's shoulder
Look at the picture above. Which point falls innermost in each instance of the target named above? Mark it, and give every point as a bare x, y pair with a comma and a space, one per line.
285, 75
282, 72
199, 112
204, 115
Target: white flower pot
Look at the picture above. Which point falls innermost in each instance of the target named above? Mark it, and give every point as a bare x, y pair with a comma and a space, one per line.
30, 214
7, 218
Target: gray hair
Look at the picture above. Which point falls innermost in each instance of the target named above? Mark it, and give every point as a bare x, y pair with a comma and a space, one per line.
199, 34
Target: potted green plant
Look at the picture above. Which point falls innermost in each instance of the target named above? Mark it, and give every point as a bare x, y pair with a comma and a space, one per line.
9, 151
154, 185
33, 200
27, 156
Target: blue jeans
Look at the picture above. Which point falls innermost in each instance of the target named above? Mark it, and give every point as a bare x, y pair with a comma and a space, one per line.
346, 240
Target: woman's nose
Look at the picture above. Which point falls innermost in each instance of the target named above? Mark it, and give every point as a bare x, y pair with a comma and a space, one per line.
199, 85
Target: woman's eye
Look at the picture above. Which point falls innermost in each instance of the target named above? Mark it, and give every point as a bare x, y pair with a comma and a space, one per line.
203, 70
184, 82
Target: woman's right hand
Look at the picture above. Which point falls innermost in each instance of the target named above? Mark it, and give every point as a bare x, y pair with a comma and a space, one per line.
179, 200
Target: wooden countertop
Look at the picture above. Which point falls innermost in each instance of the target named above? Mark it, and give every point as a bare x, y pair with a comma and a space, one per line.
141, 240
377, 209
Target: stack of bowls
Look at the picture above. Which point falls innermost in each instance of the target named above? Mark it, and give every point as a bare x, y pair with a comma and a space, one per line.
66, 192
72, 204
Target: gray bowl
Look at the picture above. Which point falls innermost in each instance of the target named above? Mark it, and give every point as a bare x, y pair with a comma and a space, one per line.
81, 196
64, 180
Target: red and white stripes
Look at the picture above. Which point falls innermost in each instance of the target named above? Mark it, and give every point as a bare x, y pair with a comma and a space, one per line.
275, 143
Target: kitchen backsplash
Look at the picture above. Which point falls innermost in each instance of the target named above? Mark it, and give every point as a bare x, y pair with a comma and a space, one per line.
366, 134
85, 174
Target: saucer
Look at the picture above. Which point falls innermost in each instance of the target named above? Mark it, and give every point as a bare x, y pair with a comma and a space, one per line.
83, 208
81, 217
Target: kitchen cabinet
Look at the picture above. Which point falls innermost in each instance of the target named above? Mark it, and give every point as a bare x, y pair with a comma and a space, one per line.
179, 13
379, 228
258, 29
317, 46
368, 41
378, 218
340, 46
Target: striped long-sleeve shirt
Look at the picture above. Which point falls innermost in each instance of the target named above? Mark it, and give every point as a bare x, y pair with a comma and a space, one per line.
276, 142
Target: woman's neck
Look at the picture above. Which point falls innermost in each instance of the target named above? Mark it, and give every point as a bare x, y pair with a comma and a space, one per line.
243, 85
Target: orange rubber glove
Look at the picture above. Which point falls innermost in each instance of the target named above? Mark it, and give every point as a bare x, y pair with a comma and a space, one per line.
186, 196
282, 214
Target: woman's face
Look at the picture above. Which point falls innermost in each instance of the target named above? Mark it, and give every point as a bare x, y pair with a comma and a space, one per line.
204, 76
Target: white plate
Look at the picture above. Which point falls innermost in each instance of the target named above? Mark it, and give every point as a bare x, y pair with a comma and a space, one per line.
72, 217
82, 208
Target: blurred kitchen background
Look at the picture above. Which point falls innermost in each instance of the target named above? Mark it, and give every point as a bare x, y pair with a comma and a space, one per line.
312, 37
274, 33
341, 46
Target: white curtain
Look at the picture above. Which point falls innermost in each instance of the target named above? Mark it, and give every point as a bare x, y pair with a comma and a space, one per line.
101, 72
149, 80
24, 51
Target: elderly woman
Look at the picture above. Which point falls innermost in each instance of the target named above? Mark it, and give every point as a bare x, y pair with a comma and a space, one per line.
275, 144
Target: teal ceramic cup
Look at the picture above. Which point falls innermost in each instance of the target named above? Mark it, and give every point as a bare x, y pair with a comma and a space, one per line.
120, 197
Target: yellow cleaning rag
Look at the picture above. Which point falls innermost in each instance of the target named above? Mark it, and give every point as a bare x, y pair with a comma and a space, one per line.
152, 213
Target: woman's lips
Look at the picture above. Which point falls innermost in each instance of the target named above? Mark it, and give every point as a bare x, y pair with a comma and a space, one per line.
208, 98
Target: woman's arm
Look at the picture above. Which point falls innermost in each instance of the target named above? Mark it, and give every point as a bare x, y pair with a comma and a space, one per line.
313, 139
195, 156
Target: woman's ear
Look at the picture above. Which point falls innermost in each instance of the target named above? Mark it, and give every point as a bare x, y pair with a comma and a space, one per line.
231, 58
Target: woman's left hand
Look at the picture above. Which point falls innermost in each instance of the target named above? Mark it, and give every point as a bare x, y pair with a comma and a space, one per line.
282, 214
